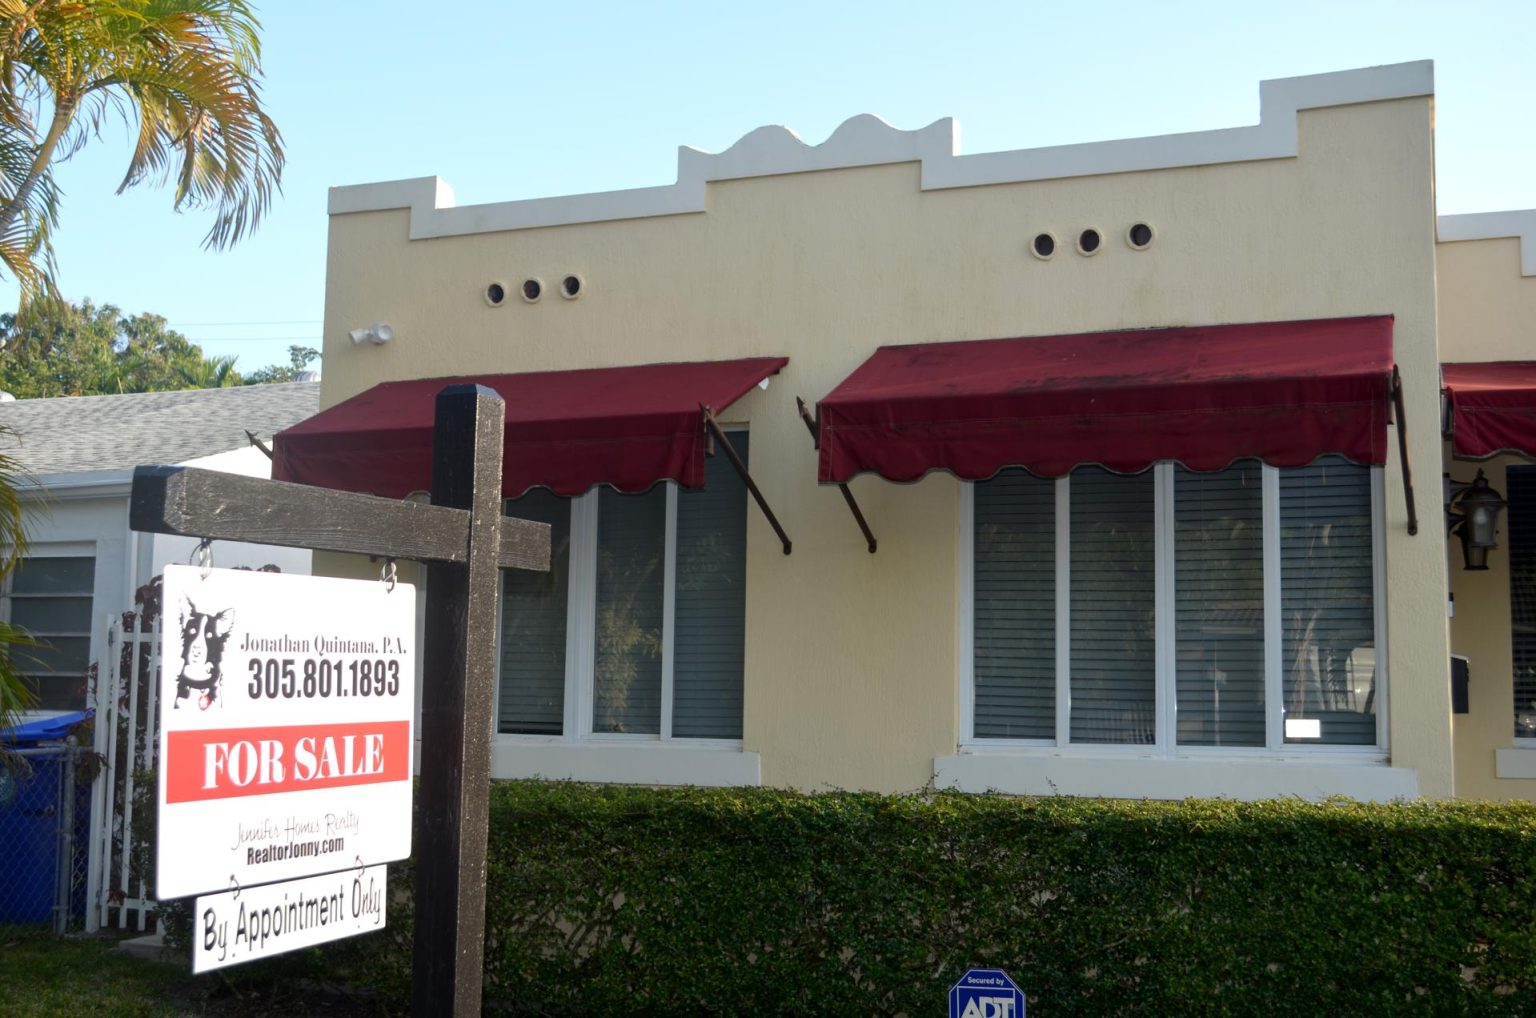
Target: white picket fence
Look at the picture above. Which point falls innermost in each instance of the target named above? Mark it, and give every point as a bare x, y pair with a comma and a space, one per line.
127, 740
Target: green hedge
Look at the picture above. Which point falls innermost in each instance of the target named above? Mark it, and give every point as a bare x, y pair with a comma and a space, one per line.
608, 900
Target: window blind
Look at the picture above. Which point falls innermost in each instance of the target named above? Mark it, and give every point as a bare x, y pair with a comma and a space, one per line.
1015, 607
1521, 485
1327, 617
1113, 607
51, 599
1218, 586
631, 547
710, 604
533, 621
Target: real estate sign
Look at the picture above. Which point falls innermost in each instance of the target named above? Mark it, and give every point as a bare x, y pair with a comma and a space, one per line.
285, 735
258, 922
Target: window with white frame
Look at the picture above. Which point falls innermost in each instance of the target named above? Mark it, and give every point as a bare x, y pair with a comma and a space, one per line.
49, 597
638, 629
1520, 481
1175, 610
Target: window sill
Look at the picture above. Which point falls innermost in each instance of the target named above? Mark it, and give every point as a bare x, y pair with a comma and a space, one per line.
1516, 762
630, 763
1023, 773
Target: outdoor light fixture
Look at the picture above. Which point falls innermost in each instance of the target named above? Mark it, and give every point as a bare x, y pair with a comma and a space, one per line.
1472, 514
378, 333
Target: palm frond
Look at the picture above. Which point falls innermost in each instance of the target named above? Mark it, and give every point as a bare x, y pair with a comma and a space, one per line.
15, 695
184, 75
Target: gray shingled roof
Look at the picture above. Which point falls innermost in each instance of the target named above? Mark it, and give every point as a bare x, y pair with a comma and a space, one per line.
74, 433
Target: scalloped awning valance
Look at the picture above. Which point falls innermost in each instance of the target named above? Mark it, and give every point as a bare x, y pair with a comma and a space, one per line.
567, 431
1491, 407
1282, 392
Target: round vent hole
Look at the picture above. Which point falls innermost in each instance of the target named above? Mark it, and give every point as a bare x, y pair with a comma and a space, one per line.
1140, 236
570, 287
1044, 245
495, 293
532, 290
1088, 241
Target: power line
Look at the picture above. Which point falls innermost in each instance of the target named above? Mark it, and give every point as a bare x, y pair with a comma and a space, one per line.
254, 339
220, 325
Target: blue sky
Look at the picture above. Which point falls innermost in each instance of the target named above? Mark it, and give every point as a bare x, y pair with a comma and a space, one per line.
514, 100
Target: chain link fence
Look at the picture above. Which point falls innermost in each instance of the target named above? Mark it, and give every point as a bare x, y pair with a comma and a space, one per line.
45, 822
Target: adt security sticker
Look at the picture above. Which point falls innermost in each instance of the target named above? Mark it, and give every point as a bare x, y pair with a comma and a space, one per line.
986, 993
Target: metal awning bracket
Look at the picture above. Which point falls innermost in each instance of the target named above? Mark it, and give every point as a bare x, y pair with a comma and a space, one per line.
721, 442
1402, 449
853, 506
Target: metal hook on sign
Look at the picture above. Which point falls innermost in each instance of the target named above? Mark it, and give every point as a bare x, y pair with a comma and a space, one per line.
388, 574
360, 864
202, 556
236, 884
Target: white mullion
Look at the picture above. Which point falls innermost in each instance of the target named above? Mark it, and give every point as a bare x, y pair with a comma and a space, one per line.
1274, 690
1379, 600
1165, 653
668, 610
581, 617
1063, 610
967, 579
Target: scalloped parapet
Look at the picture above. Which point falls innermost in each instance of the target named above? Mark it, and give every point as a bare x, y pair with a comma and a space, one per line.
1519, 223
866, 140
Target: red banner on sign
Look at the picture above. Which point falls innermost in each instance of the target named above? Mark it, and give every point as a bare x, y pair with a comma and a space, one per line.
226, 763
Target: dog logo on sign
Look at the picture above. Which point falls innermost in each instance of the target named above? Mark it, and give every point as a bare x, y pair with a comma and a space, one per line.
203, 636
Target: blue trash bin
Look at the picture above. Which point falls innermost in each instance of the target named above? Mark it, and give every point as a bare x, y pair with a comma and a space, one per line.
30, 808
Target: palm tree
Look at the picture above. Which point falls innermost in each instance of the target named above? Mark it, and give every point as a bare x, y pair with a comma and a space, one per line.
184, 75
207, 373
15, 696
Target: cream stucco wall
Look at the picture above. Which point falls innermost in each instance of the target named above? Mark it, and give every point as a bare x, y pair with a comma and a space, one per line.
851, 675
1481, 632
1487, 313
1487, 308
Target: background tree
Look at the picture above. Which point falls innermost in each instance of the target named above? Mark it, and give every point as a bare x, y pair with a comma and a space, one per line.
53, 348
299, 359
183, 75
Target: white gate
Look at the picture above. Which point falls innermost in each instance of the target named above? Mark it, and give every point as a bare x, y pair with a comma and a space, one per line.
123, 801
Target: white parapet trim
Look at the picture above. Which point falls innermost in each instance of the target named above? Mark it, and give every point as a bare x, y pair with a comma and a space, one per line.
1148, 778
1519, 223
867, 140
630, 763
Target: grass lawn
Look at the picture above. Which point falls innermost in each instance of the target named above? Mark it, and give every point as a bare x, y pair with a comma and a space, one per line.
44, 976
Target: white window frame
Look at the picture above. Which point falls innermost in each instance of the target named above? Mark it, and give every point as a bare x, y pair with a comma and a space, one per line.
62, 549
581, 753
1519, 762
1166, 746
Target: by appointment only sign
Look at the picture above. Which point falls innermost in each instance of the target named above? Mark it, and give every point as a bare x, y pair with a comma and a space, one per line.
258, 922
285, 736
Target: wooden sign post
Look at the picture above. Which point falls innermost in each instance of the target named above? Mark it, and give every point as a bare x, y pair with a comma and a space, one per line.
464, 540
458, 649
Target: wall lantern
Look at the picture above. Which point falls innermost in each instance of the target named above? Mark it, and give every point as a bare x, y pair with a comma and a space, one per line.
1472, 514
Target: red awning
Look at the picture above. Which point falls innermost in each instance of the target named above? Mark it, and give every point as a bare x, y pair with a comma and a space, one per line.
566, 430
1285, 392
1492, 407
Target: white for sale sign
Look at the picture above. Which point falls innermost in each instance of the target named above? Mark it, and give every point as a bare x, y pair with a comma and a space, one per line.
258, 922
285, 734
